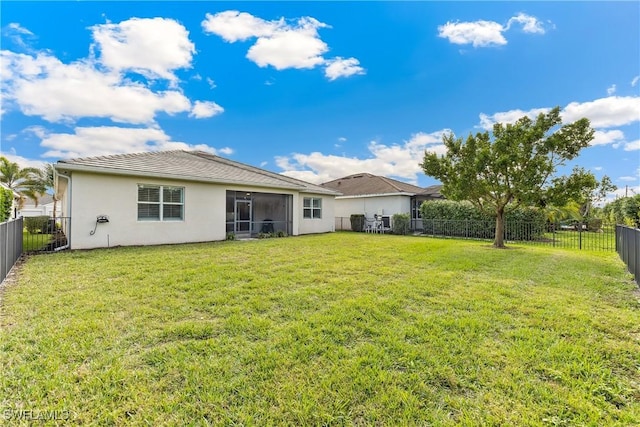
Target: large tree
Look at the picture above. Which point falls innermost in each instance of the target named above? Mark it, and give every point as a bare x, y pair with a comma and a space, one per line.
513, 165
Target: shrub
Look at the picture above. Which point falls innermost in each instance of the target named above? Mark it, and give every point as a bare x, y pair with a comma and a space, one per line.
231, 236
37, 224
401, 224
357, 222
462, 219
281, 233
6, 201
594, 224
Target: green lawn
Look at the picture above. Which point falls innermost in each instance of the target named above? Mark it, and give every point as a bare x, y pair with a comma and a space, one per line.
34, 242
343, 328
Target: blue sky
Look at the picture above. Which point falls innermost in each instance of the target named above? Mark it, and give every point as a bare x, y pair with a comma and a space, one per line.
314, 90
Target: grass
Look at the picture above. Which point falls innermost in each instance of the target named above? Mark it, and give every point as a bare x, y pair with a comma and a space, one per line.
343, 328
589, 240
34, 242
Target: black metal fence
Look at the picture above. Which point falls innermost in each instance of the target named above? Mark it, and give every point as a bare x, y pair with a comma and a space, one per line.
45, 234
579, 237
600, 237
628, 247
10, 245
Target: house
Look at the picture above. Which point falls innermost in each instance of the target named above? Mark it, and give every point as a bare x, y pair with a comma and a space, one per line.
372, 195
44, 208
183, 196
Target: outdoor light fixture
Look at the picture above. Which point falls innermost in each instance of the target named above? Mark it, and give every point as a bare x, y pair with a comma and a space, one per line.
100, 219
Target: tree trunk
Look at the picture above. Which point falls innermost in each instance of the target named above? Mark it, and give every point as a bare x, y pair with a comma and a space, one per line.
499, 239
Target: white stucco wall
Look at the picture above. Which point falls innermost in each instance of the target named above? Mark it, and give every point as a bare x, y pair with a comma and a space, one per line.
315, 225
204, 212
371, 205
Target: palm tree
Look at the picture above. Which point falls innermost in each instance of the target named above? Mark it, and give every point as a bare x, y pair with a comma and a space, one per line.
27, 182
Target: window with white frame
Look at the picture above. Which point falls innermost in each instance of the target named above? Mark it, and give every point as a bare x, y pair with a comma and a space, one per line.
312, 207
160, 203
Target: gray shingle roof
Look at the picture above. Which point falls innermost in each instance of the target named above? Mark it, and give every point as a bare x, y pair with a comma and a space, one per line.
366, 184
190, 166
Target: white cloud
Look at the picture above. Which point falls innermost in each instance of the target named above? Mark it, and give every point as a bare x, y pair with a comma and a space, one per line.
211, 83
611, 90
340, 67
634, 82
605, 112
280, 44
397, 160
597, 168
107, 140
14, 26
43, 86
17, 34
23, 162
632, 146
205, 109
40, 84
530, 24
478, 33
487, 33
298, 47
342, 139
628, 178
234, 26
604, 137
153, 47
511, 116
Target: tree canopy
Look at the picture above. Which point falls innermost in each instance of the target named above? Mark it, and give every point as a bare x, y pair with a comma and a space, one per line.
513, 165
28, 182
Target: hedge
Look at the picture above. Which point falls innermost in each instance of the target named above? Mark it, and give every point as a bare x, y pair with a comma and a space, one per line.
6, 201
401, 224
38, 224
462, 219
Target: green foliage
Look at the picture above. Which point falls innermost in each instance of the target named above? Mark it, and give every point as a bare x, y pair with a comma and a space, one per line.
333, 329
511, 167
28, 182
594, 224
625, 210
401, 224
37, 224
466, 220
357, 222
582, 188
6, 201
231, 236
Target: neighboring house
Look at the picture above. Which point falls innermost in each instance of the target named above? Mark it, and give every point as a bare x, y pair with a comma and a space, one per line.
44, 207
372, 195
15, 203
183, 196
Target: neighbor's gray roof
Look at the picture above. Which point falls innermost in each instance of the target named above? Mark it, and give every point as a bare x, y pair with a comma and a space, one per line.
45, 199
361, 184
432, 191
189, 166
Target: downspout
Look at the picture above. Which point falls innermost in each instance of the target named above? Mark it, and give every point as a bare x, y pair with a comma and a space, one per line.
68, 178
